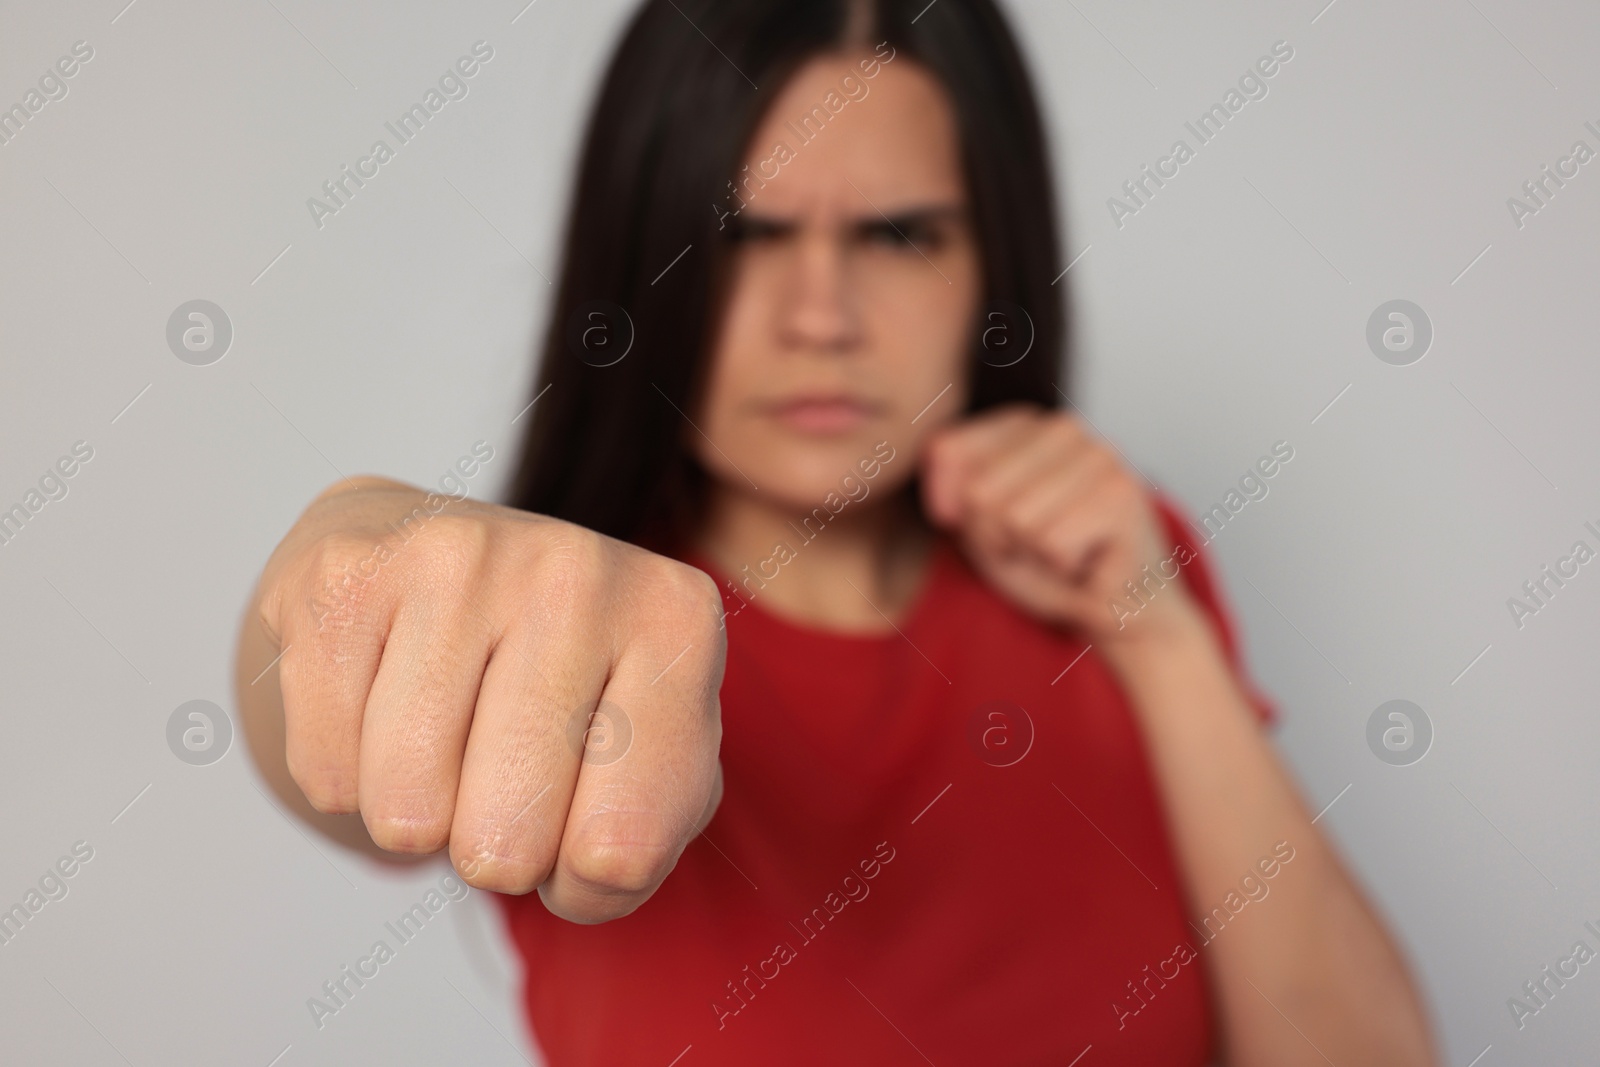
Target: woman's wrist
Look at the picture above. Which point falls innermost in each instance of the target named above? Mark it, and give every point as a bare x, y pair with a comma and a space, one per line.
1166, 633
1176, 666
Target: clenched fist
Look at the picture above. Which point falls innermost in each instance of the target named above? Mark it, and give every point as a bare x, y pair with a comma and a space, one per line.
1052, 518
538, 697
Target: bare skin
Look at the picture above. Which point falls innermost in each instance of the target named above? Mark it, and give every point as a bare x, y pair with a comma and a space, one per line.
447, 698
842, 331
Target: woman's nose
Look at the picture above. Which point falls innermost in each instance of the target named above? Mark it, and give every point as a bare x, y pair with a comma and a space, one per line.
819, 312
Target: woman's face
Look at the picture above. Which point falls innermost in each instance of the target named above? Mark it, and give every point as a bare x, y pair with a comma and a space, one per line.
854, 286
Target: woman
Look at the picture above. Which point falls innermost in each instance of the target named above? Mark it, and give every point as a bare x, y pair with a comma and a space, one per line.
986, 785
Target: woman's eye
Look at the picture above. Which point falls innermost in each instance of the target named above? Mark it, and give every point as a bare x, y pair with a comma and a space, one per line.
754, 232
906, 236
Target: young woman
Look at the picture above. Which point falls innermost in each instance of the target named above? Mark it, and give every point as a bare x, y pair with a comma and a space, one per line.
956, 765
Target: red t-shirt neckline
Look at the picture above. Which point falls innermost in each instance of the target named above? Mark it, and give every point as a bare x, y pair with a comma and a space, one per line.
942, 556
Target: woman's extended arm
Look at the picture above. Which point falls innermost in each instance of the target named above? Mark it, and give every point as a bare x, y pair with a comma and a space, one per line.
1056, 522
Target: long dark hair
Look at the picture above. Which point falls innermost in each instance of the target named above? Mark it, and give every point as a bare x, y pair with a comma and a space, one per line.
628, 334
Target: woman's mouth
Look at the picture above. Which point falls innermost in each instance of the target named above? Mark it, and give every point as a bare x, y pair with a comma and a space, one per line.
822, 414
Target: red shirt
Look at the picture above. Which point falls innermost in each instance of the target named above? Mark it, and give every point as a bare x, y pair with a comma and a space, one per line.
896, 875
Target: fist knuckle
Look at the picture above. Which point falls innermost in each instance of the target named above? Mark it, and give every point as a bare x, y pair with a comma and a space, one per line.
267, 608
1064, 429
1020, 518
696, 602
618, 854
411, 821
571, 568
469, 536
338, 578
984, 495
614, 871
327, 789
581, 908
449, 556
713, 726
484, 867
1124, 487
337, 552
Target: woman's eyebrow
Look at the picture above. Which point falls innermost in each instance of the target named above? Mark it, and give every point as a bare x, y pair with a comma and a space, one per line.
914, 218
912, 215
750, 220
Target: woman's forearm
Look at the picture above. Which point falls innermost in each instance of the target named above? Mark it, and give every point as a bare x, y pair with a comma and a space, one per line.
1306, 973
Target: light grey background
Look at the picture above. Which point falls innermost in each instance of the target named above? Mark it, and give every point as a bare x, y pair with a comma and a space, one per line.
1228, 314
